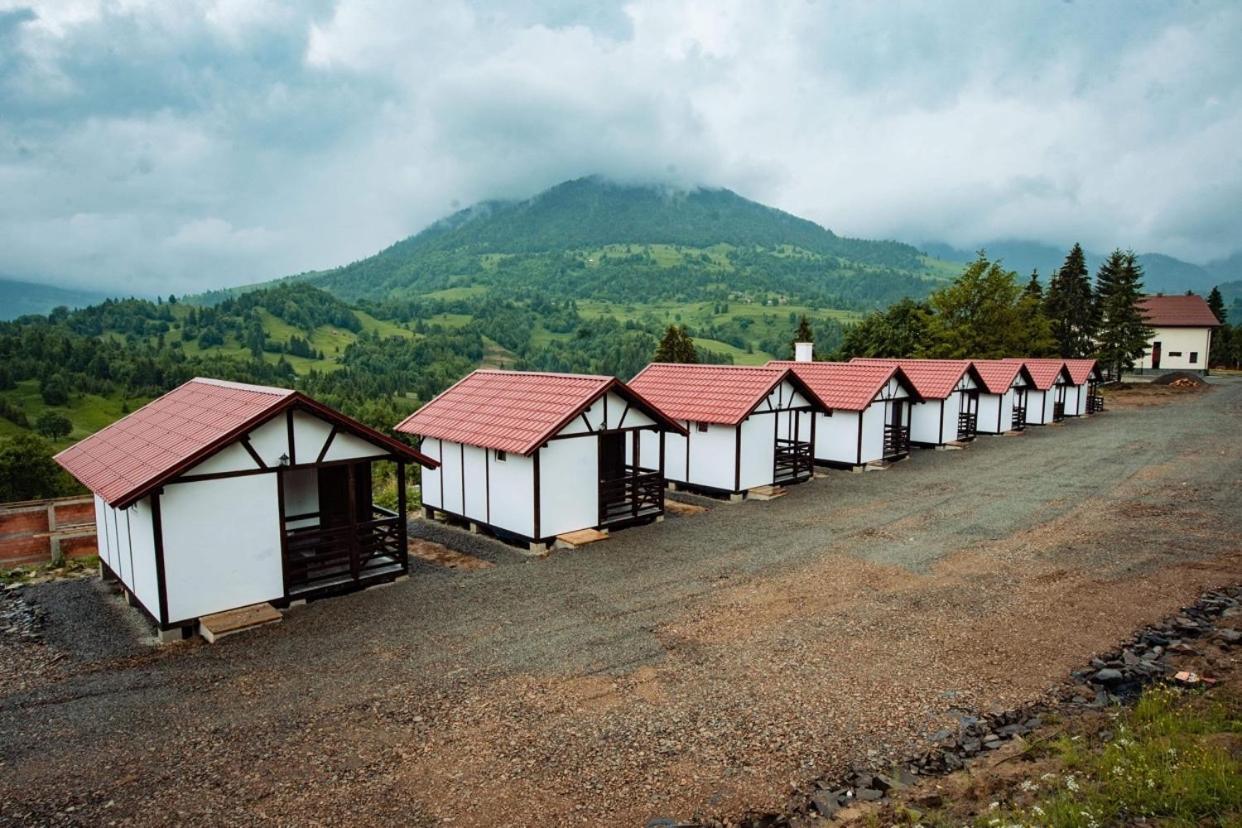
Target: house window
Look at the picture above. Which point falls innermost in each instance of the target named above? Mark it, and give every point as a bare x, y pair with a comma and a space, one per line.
502, 456
701, 426
1194, 357
1175, 353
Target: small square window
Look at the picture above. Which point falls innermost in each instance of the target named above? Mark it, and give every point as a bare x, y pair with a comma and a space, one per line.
701, 426
1194, 357
501, 456
1175, 353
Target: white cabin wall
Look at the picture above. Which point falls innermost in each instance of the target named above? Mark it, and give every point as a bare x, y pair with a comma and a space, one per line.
925, 422
1036, 402
103, 532
345, 447
836, 437
873, 432
221, 545
475, 477
758, 451
990, 420
309, 435
952, 407
127, 546
430, 485
674, 452
270, 440
568, 485
451, 478
511, 483
712, 455
1076, 400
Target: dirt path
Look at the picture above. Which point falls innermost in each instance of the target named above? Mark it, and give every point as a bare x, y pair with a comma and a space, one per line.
702, 664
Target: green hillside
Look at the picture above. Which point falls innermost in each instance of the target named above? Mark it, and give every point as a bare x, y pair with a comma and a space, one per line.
597, 240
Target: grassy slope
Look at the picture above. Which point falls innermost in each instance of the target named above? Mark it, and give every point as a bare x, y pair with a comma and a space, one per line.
87, 412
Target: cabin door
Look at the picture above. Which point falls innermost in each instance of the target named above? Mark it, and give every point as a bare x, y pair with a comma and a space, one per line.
896, 434
612, 455
334, 501
1155, 355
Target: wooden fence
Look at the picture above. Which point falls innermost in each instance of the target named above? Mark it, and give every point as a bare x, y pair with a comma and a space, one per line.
47, 531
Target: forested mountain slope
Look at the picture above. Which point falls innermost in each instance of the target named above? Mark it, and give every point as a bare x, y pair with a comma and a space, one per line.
598, 240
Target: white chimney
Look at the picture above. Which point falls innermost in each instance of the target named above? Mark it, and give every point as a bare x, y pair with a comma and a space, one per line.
804, 352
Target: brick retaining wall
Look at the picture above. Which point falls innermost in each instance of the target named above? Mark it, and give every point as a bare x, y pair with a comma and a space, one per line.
25, 536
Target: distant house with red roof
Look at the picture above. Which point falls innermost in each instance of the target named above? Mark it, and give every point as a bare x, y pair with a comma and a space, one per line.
1182, 332
1050, 382
219, 495
1002, 399
948, 411
530, 456
742, 425
868, 416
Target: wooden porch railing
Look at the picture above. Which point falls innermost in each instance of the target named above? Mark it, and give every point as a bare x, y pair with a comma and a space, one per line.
317, 556
1058, 411
967, 425
896, 441
637, 495
1018, 422
794, 460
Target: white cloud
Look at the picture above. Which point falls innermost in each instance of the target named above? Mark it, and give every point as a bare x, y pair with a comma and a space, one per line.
230, 141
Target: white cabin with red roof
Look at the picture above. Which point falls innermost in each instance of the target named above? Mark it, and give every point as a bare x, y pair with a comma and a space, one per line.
868, 420
741, 424
948, 407
1082, 395
219, 495
1002, 397
1050, 382
530, 456
1182, 328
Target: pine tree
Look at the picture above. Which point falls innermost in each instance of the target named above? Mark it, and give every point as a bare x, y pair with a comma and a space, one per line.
1034, 290
1069, 306
676, 346
803, 334
1217, 304
1123, 333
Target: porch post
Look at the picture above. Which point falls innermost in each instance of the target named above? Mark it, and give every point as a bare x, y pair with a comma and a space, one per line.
634, 474
402, 519
353, 521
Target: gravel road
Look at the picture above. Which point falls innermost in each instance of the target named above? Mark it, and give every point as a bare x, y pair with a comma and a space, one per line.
699, 665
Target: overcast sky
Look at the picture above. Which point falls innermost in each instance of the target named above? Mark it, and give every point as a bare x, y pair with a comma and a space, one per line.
174, 146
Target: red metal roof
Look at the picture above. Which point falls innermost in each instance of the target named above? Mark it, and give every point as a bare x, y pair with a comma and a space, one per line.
998, 374
141, 451
849, 386
723, 394
1080, 370
516, 411
934, 379
1178, 312
1044, 370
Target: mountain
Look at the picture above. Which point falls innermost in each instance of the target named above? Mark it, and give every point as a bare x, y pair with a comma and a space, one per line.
595, 239
1162, 273
20, 298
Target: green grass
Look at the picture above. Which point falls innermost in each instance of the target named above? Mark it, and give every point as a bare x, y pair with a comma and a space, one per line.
1166, 764
740, 356
467, 291
87, 412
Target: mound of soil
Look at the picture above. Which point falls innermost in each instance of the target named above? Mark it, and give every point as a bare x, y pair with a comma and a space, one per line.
1179, 379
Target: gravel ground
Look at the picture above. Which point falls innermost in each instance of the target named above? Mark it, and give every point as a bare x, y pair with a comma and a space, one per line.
702, 664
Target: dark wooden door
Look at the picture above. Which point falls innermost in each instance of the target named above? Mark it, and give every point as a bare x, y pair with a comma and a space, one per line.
612, 455
1155, 355
897, 413
334, 496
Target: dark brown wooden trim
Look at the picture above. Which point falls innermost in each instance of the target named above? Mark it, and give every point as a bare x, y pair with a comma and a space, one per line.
157, 529
254, 455
327, 444
293, 448
940, 434
624, 412
737, 457
195, 478
689, 429
556, 437
604, 424
860, 436
536, 476
403, 519
585, 422
281, 521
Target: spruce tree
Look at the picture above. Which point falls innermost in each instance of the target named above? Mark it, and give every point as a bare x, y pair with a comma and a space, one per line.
1069, 306
1034, 290
1123, 333
1217, 304
676, 346
803, 334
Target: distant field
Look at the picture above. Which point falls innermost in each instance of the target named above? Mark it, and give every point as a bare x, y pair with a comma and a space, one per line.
87, 412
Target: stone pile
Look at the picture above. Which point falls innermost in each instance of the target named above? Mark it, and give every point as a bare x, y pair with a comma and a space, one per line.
18, 619
1117, 677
